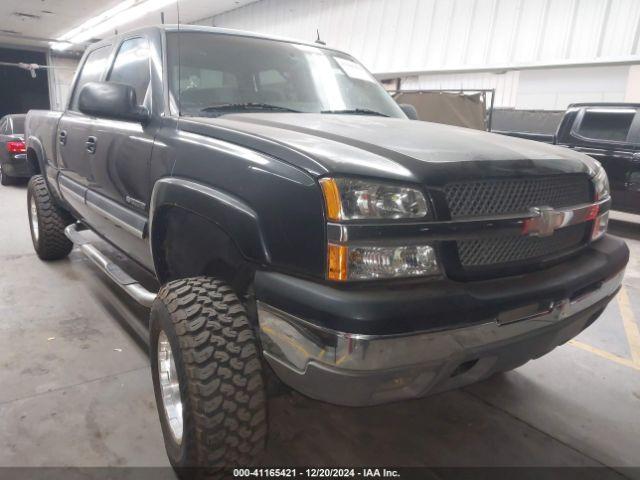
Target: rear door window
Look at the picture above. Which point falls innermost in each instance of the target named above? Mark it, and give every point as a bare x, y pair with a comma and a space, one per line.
92, 70
131, 67
609, 125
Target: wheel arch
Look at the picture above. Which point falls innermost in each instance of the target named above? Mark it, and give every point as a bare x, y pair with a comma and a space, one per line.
35, 155
195, 230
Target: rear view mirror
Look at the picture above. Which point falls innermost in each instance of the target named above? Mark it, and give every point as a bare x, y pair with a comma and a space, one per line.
409, 110
111, 100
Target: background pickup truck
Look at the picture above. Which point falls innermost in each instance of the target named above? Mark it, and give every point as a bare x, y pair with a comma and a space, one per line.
610, 133
302, 228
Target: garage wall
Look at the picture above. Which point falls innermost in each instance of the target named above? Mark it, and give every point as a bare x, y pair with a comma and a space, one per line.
633, 85
554, 89
472, 43
539, 89
505, 84
60, 79
19, 91
432, 35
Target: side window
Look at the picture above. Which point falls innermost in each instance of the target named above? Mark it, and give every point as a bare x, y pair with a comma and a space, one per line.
3, 127
131, 66
610, 125
92, 71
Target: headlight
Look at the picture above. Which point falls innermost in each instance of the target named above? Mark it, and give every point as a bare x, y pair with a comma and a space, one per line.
600, 225
353, 199
601, 186
350, 262
601, 183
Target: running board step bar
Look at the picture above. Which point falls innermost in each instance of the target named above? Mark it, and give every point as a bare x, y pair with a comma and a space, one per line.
131, 286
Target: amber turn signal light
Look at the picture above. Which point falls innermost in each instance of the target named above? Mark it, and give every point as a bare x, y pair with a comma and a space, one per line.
331, 198
337, 257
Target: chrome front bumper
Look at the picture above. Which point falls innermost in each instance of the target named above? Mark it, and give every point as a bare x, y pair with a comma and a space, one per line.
353, 369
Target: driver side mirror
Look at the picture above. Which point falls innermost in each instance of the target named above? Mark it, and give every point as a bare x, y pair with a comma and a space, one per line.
409, 110
112, 100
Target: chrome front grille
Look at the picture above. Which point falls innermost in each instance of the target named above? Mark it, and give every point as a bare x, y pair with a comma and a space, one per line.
513, 196
501, 250
493, 197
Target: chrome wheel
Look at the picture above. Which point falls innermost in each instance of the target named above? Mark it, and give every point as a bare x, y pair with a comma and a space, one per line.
170, 387
35, 231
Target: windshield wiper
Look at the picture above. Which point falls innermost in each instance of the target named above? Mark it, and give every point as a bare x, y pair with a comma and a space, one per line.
356, 111
223, 107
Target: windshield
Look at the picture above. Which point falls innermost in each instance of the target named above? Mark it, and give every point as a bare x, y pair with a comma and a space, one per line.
219, 74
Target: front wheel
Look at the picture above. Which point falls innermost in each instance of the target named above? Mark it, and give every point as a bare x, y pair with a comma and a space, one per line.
47, 222
207, 376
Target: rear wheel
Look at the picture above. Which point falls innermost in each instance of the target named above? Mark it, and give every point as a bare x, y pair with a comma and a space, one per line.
207, 376
47, 222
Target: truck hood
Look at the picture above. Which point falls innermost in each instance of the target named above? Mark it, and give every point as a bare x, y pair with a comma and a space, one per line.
390, 148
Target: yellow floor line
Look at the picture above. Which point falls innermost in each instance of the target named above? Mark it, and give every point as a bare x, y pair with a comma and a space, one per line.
630, 325
604, 354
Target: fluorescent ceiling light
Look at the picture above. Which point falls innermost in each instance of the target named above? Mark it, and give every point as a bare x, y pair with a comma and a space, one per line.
125, 12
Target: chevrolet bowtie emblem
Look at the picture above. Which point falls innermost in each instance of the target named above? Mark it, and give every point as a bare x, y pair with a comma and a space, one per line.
544, 222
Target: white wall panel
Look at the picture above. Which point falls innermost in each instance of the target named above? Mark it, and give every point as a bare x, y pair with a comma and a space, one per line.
633, 85
554, 89
530, 28
505, 84
539, 89
60, 79
622, 29
440, 35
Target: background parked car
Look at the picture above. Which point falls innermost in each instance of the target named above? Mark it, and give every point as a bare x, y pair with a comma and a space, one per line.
13, 154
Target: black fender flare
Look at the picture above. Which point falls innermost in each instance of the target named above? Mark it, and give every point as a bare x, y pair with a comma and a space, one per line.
34, 143
232, 215
49, 172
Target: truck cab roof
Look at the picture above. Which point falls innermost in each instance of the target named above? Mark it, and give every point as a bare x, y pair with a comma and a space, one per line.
605, 105
206, 29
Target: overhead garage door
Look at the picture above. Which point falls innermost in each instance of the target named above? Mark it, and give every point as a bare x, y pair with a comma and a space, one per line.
18, 91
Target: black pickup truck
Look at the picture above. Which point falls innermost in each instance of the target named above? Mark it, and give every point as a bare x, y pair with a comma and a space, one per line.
610, 133
304, 229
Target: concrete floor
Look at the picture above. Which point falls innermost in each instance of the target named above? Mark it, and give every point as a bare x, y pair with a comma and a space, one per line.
75, 387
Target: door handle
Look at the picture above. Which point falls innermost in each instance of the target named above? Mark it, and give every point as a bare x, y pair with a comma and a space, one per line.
62, 137
91, 144
636, 157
